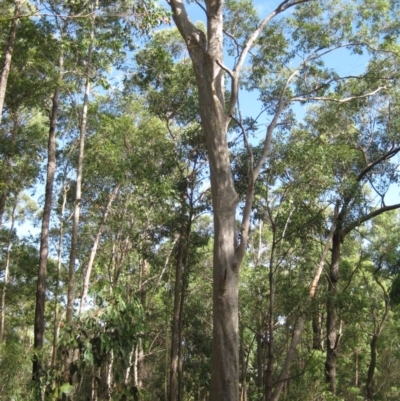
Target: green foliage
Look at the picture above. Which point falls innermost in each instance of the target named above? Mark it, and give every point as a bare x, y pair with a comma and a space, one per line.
109, 331
15, 368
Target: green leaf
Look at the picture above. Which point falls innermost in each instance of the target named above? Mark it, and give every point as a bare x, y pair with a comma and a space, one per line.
66, 388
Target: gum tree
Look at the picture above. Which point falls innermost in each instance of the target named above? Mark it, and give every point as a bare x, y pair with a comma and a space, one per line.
315, 30
206, 53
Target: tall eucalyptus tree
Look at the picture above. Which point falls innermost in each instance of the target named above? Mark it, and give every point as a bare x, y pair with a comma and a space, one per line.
316, 29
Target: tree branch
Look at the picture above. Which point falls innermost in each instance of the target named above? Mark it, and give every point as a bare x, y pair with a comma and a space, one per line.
368, 216
249, 44
229, 71
268, 138
241, 249
331, 99
370, 166
186, 27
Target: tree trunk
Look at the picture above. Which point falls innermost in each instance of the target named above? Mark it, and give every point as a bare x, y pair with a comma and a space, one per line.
39, 325
180, 329
206, 54
371, 368
299, 326
109, 369
356, 376
374, 341
93, 251
184, 288
3, 198
78, 193
8, 55
270, 364
244, 362
225, 357
139, 364
331, 321
7, 271
9, 163
260, 368
317, 329
175, 320
284, 375
57, 289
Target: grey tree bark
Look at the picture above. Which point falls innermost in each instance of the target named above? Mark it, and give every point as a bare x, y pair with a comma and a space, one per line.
207, 57
175, 319
86, 281
39, 324
57, 287
331, 321
78, 194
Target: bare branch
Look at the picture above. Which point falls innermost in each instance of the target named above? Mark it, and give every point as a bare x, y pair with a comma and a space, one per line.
331, 99
318, 271
202, 7
370, 166
268, 138
368, 216
225, 68
250, 42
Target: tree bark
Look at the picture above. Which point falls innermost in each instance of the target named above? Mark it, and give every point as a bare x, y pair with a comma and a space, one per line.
206, 54
374, 341
331, 321
78, 194
7, 271
39, 325
109, 369
260, 369
140, 362
93, 251
3, 198
270, 349
175, 320
317, 330
9, 163
180, 336
284, 375
210, 83
8, 55
57, 289
356, 376
371, 367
